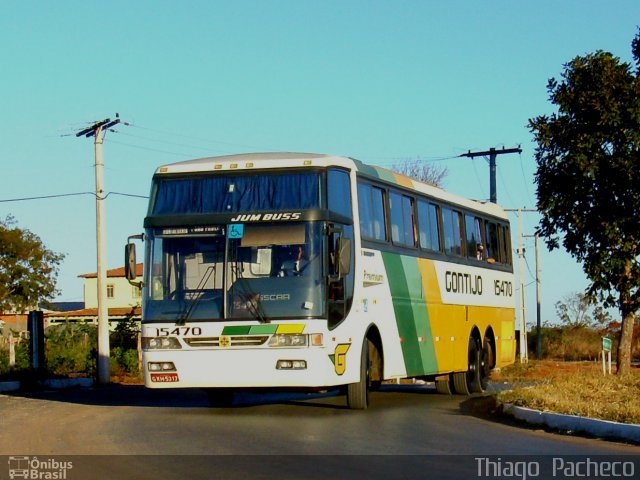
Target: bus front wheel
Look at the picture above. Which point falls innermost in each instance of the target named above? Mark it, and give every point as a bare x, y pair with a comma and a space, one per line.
358, 392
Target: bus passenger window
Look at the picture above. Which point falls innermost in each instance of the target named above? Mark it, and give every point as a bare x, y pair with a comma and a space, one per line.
452, 235
371, 210
401, 210
475, 245
492, 242
428, 223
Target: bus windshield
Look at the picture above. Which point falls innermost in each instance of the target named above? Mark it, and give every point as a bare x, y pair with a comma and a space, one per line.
259, 271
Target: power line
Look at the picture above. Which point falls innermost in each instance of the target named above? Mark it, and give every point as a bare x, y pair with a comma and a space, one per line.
161, 141
41, 197
127, 195
46, 196
209, 141
524, 179
140, 147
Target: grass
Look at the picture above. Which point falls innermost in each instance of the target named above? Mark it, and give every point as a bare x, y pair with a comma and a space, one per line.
574, 388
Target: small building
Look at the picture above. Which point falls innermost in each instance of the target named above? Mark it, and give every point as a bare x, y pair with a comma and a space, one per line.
123, 299
9, 321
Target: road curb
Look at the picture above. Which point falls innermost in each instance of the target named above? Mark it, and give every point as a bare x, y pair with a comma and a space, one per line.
600, 428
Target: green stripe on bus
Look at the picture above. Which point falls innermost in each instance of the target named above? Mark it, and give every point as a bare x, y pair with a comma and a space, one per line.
236, 330
412, 318
263, 329
372, 171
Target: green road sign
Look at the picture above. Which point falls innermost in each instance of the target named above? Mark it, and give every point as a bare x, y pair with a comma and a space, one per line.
606, 344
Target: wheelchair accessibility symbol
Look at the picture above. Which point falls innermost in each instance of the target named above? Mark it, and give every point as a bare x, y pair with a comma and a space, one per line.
236, 230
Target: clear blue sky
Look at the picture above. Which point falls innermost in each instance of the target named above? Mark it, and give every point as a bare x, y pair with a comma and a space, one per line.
376, 80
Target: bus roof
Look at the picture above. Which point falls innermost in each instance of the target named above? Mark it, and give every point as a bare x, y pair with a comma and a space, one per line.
257, 161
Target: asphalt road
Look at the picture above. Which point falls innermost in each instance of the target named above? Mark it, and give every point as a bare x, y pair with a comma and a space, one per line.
409, 431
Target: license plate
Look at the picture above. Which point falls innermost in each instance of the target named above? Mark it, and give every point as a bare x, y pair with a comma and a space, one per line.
164, 377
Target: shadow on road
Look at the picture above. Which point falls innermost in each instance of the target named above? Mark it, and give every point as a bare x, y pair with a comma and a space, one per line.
139, 396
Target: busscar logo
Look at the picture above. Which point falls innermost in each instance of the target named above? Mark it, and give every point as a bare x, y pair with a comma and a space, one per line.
38, 469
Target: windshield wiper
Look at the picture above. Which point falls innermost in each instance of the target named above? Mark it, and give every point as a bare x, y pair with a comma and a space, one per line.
252, 298
193, 302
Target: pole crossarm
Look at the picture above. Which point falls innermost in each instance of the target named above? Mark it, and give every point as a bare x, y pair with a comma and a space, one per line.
492, 153
103, 125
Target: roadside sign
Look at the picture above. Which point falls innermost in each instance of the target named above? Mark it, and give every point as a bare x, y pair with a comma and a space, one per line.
606, 344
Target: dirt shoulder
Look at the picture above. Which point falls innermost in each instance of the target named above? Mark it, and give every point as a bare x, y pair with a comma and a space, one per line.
573, 388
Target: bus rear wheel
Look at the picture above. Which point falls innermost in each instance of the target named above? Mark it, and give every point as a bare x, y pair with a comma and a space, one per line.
358, 392
487, 363
465, 383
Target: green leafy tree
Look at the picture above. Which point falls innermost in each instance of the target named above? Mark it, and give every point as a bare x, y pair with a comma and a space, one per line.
28, 270
588, 178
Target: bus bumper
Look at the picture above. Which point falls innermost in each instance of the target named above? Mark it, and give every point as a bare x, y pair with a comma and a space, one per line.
244, 368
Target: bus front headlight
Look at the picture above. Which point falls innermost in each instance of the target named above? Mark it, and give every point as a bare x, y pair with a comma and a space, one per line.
288, 340
160, 343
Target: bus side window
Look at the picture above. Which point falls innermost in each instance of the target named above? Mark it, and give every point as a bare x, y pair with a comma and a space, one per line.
371, 210
428, 223
451, 224
339, 192
402, 221
475, 245
493, 248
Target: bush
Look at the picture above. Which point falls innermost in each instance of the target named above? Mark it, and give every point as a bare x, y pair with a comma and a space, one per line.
21, 369
568, 343
124, 362
71, 349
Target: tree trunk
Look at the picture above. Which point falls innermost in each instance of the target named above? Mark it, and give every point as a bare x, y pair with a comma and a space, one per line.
623, 362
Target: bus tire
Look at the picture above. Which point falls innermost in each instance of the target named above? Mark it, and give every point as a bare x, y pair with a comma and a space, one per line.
220, 397
486, 364
466, 383
445, 386
358, 392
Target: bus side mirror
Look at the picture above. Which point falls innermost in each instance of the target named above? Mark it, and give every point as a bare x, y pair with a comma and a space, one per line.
343, 253
130, 261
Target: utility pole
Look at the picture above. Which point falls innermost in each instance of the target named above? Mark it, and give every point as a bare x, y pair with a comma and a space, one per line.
538, 295
524, 354
97, 130
492, 153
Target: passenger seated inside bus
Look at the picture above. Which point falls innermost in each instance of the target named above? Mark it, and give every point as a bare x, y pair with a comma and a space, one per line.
292, 261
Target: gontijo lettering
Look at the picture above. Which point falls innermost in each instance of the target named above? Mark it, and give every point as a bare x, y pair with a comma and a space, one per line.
456, 282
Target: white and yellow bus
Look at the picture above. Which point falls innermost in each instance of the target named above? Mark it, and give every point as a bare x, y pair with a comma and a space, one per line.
317, 271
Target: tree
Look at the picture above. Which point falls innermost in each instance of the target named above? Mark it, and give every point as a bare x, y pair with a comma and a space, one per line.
28, 270
578, 310
420, 170
588, 157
